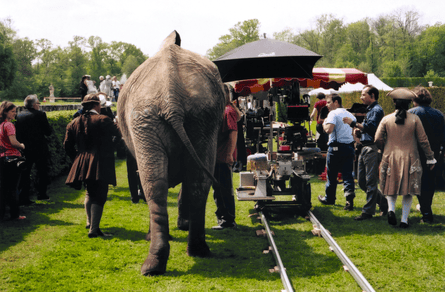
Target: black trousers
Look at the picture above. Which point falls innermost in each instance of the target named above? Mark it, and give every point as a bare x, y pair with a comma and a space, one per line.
134, 182
42, 177
9, 177
97, 192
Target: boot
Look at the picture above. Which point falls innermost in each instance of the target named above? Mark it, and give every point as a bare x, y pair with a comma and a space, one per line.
349, 203
96, 216
88, 211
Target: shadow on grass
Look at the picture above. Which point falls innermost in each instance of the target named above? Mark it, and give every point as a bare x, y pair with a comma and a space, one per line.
345, 225
238, 253
38, 214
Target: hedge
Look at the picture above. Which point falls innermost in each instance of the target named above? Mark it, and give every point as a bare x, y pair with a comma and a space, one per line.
412, 81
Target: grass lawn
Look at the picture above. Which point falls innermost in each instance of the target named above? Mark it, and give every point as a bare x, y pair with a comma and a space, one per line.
50, 250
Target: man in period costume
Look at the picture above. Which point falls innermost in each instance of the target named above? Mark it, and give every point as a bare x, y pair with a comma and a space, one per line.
399, 136
88, 141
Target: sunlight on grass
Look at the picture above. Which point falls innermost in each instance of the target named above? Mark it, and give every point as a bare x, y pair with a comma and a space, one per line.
50, 251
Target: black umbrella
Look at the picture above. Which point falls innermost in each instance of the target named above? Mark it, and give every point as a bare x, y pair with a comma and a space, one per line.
266, 58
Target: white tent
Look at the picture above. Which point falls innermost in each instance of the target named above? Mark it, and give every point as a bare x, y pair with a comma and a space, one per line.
372, 80
322, 90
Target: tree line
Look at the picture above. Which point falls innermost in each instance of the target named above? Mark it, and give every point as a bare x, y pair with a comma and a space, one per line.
30, 66
392, 45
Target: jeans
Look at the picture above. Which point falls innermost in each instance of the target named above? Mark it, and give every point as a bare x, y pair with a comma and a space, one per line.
368, 177
340, 157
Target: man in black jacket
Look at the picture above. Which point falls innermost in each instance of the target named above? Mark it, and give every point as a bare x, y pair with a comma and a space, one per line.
32, 126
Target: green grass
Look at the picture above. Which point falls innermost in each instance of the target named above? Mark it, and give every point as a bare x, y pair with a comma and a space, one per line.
50, 251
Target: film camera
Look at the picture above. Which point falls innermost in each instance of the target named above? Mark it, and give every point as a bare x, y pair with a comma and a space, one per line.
281, 172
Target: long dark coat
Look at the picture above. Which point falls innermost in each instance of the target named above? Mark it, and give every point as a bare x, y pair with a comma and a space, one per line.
91, 150
32, 126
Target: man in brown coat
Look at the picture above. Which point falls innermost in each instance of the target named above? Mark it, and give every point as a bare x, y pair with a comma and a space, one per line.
88, 141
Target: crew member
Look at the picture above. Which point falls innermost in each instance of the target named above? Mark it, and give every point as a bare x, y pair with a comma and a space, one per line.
340, 155
368, 161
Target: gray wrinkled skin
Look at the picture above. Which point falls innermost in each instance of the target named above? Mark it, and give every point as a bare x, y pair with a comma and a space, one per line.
170, 111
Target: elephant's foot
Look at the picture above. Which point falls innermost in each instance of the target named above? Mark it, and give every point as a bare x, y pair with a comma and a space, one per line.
183, 224
201, 250
154, 265
148, 236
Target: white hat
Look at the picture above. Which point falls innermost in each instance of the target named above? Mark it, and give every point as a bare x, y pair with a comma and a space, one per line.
108, 77
103, 100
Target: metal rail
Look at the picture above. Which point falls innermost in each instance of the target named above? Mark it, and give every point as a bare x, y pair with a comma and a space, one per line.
281, 269
363, 283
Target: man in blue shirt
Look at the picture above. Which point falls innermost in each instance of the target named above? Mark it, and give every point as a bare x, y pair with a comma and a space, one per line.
433, 123
368, 162
340, 155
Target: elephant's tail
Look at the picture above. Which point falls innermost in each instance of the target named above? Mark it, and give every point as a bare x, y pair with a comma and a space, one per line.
179, 129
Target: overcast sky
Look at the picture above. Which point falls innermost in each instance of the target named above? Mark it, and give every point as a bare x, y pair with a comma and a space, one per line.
200, 23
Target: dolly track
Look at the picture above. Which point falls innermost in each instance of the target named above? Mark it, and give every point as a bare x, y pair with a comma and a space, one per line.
348, 265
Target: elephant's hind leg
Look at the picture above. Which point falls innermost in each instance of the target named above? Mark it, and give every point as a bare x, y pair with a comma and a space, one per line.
156, 261
197, 193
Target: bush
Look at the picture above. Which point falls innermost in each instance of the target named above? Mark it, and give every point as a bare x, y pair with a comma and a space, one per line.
412, 81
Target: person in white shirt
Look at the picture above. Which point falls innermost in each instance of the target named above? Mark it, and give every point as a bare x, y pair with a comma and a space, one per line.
340, 155
116, 86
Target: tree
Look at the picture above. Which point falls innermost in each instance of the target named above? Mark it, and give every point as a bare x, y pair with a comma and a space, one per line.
76, 66
6, 30
131, 63
332, 32
240, 34
285, 35
8, 64
429, 52
98, 55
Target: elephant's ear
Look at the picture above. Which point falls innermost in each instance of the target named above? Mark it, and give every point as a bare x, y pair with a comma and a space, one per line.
172, 39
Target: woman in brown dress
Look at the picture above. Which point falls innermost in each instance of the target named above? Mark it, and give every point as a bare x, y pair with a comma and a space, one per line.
88, 141
398, 135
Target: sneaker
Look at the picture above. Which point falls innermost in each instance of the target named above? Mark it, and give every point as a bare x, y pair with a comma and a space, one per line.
418, 207
349, 206
19, 218
323, 200
225, 225
141, 196
363, 216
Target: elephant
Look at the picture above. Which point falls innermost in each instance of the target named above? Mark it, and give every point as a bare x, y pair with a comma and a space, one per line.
170, 109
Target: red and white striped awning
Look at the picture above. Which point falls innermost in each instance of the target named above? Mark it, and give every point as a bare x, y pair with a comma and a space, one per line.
322, 77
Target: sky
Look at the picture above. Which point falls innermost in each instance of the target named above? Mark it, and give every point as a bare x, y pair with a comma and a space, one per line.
200, 23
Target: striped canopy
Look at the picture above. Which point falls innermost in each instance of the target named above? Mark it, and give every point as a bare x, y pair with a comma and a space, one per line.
322, 77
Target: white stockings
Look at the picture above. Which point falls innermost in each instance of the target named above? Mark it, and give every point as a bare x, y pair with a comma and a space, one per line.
407, 201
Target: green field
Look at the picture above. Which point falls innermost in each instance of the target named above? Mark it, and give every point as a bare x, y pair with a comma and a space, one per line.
50, 250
